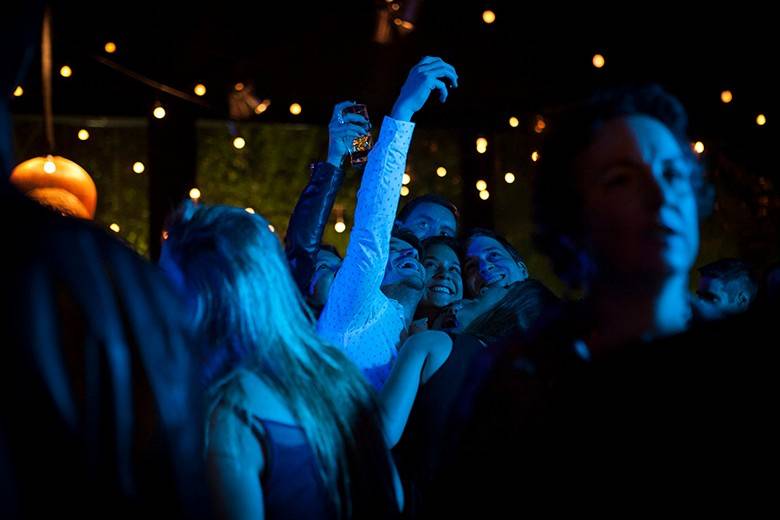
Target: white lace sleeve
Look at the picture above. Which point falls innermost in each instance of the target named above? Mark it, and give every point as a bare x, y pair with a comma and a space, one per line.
355, 293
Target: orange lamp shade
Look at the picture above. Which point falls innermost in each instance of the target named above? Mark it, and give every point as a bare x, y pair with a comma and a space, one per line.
65, 187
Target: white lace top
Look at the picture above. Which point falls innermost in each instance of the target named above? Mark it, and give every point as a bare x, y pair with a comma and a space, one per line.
358, 317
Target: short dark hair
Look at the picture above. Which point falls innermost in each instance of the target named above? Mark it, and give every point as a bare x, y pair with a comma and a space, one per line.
432, 198
410, 238
441, 240
557, 204
732, 271
481, 232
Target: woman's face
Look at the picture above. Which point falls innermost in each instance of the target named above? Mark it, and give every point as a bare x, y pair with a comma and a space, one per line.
639, 205
443, 282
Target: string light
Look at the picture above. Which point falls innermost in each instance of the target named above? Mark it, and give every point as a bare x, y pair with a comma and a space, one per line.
484, 195
404, 191
250, 211
482, 145
598, 61
200, 89
66, 71
239, 143
114, 227
158, 112
195, 194
18, 91
83, 134
514, 122
49, 166
726, 96
488, 16
760, 119
441, 171
406, 179
110, 47
138, 167
295, 109
509, 177
534, 156
481, 185
698, 147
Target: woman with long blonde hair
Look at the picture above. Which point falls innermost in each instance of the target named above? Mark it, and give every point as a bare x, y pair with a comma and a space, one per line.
293, 429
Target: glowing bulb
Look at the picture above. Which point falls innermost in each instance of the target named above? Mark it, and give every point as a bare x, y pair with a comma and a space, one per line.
598, 61
18, 91
340, 227
534, 156
194, 193
165, 235
295, 109
200, 89
760, 119
482, 145
250, 211
66, 71
514, 122
239, 143
488, 16
509, 177
83, 135
110, 47
271, 228
239, 87
49, 166
114, 227
540, 125
726, 96
263, 106
441, 171
138, 167
398, 21
484, 195
698, 146
158, 112
406, 180
404, 191
481, 185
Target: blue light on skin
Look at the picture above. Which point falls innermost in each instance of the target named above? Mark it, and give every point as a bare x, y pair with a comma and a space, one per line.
403, 265
404, 279
429, 219
443, 280
325, 269
640, 223
728, 298
489, 265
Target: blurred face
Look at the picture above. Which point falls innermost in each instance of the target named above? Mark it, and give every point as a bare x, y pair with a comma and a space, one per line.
403, 266
325, 269
443, 281
639, 206
429, 220
728, 298
489, 264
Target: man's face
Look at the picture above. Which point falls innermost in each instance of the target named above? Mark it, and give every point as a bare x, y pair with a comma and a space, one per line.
489, 264
403, 265
639, 206
728, 298
429, 220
